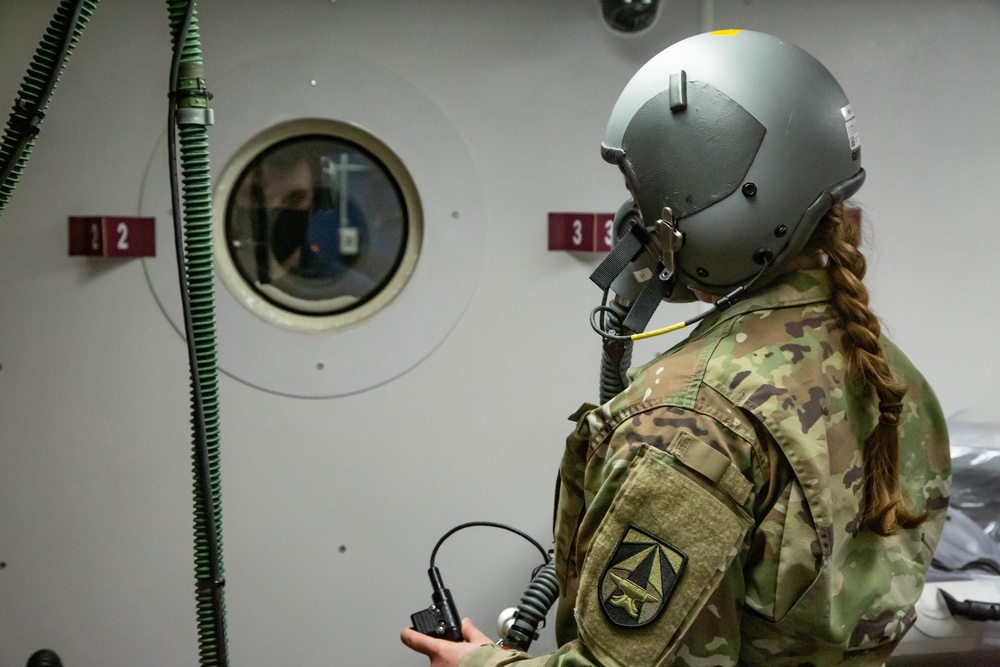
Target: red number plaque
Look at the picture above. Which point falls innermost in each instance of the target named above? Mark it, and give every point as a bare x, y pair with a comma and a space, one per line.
588, 232
112, 236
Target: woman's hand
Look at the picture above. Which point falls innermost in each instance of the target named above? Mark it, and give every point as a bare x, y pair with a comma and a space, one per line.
442, 652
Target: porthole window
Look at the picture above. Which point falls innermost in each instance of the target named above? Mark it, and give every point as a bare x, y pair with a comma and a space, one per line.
303, 338
320, 225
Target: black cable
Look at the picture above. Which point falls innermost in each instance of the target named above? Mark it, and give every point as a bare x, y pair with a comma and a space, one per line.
488, 524
600, 327
616, 355
974, 610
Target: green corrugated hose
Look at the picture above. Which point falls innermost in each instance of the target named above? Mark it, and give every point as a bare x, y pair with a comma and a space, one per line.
54, 50
190, 111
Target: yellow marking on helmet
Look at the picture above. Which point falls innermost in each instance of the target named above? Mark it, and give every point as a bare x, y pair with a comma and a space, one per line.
726, 33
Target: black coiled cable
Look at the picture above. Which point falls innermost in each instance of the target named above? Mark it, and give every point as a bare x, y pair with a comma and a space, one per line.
538, 598
617, 353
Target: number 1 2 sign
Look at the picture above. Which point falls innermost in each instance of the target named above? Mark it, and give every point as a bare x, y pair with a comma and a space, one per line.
112, 236
587, 232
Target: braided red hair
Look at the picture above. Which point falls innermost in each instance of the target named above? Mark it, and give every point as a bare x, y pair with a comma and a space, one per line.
839, 237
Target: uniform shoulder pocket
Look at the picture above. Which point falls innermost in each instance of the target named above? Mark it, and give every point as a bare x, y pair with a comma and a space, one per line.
657, 555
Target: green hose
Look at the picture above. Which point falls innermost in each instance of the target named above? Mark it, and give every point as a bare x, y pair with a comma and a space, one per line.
189, 111
54, 50
197, 289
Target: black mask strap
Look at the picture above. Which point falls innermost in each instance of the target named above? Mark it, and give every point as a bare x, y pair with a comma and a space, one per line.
653, 292
624, 252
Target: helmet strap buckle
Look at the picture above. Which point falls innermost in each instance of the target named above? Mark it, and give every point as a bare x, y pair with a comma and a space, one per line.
671, 238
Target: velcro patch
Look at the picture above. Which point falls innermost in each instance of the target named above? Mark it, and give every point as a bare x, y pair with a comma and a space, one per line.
639, 579
715, 466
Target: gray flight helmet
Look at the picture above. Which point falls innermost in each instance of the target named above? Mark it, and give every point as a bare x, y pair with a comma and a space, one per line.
745, 141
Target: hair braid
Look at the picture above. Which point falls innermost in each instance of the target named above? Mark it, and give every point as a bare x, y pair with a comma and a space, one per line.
867, 370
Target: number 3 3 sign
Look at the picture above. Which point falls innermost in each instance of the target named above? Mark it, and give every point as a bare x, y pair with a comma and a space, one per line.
588, 232
112, 236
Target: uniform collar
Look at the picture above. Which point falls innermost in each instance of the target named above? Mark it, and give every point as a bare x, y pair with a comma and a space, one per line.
790, 289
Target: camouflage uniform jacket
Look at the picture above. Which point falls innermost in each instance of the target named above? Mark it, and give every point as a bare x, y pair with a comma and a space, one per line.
709, 514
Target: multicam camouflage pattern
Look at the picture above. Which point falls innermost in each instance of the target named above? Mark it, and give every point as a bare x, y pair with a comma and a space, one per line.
779, 571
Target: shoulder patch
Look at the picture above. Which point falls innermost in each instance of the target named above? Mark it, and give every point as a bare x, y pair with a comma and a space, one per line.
639, 579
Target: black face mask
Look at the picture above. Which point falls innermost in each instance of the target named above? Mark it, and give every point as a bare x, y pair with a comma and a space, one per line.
288, 231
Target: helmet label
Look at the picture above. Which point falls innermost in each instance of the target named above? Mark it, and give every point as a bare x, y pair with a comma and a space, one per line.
852, 127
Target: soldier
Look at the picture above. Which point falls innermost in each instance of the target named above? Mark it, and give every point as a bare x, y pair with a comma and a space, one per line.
771, 490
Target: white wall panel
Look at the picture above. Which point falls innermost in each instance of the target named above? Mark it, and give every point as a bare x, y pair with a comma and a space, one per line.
94, 445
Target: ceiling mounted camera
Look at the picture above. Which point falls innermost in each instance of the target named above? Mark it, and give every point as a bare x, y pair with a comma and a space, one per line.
629, 15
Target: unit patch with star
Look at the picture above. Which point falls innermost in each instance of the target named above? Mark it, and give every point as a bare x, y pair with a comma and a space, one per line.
639, 579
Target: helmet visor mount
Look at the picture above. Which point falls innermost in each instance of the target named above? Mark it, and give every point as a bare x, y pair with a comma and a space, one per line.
671, 240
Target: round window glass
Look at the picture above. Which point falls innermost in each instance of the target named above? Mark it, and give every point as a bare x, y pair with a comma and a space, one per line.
318, 225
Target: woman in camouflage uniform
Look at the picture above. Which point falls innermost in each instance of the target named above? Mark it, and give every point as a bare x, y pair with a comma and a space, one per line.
771, 490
